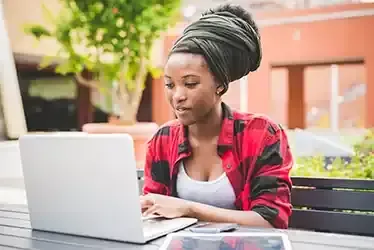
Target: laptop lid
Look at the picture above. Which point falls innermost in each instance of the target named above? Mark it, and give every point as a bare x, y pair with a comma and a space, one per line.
82, 184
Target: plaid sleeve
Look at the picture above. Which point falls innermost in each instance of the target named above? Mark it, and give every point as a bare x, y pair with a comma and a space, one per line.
270, 184
155, 171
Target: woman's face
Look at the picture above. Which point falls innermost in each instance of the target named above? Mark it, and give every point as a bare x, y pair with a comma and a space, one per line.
190, 87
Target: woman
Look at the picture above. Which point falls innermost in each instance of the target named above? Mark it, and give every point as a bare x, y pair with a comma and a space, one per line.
212, 163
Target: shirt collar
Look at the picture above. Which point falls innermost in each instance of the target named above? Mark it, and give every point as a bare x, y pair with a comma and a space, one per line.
225, 138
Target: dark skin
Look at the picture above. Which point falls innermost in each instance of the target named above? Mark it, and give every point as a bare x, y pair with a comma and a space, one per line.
195, 88
193, 94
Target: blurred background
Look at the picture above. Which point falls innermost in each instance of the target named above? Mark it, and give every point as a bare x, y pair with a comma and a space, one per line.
316, 78
315, 74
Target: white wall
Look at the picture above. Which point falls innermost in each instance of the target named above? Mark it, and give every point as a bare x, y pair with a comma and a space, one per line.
11, 102
10, 162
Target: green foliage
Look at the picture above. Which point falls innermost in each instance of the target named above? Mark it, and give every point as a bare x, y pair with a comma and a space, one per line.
360, 167
111, 38
104, 35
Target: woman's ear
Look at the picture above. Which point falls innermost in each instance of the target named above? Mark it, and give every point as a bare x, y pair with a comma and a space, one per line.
219, 90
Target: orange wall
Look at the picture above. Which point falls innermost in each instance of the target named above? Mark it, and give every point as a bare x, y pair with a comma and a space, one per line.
317, 94
302, 43
319, 41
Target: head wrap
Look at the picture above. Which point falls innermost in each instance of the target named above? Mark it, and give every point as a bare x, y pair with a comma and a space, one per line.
229, 44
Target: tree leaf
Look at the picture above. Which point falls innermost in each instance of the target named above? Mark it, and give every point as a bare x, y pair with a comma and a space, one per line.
38, 31
46, 62
63, 68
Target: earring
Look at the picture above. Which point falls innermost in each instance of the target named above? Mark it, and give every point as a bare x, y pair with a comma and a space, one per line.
219, 90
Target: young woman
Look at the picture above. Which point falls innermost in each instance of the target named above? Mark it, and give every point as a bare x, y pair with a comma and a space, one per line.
213, 163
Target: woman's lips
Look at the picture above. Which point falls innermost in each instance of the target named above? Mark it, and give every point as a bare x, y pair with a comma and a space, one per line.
182, 111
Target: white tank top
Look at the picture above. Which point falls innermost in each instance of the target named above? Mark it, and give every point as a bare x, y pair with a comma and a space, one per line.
218, 193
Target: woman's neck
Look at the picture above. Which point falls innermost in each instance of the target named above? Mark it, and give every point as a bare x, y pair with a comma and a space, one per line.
209, 127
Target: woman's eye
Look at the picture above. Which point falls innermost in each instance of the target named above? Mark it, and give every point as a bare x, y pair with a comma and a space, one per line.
191, 84
169, 85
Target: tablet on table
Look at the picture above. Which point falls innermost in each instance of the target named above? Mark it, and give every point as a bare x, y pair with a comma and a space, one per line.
227, 241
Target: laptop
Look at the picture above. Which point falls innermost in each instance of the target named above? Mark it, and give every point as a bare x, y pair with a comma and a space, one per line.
86, 184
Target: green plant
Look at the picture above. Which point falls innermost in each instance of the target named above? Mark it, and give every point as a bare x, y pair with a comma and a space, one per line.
366, 147
113, 39
361, 165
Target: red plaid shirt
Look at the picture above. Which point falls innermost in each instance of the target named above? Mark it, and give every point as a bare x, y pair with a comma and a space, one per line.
255, 156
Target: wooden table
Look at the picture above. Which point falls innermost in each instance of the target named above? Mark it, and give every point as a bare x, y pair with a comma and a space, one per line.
16, 233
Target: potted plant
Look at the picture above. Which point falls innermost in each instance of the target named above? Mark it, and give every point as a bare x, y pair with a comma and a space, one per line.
113, 40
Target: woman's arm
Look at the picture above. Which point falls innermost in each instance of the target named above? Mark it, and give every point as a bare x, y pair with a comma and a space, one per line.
158, 183
214, 214
172, 207
268, 184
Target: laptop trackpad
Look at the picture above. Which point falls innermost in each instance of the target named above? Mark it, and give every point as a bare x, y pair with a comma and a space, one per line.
161, 225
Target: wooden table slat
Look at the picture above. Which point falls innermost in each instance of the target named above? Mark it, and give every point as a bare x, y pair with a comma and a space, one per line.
9, 214
330, 239
3, 247
25, 243
71, 239
308, 246
15, 223
14, 208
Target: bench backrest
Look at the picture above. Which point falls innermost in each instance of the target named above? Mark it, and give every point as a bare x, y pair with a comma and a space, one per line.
140, 179
333, 205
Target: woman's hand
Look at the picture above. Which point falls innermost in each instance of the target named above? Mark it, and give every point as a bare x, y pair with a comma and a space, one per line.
166, 206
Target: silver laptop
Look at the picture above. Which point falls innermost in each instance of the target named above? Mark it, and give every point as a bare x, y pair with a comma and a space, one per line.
86, 184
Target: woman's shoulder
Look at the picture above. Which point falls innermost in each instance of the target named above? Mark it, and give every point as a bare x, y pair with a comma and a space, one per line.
166, 132
256, 121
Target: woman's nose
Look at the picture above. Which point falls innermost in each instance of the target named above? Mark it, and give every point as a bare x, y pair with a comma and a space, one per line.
179, 95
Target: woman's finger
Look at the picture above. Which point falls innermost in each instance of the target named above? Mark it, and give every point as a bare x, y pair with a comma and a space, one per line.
146, 201
151, 210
